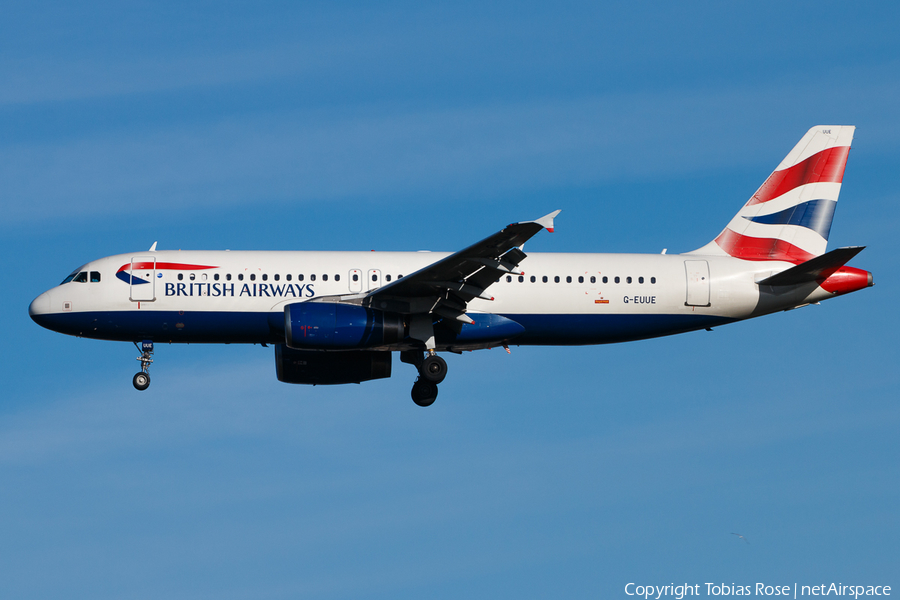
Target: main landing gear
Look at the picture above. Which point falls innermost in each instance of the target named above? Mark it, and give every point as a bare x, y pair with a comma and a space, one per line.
141, 379
432, 370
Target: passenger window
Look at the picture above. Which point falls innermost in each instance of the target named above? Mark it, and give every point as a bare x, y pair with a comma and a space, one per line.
287, 277
544, 279
568, 279
387, 277
240, 276
312, 277
228, 277
338, 277
640, 280
653, 280
508, 278
617, 279
581, 279
81, 277
374, 277
300, 277
605, 279
521, 278
265, 277
533, 279
252, 276
628, 280
203, 276
594, 279
556, 279
325, 277
216, 276
95, 276
355, 277
277, 277
192, 276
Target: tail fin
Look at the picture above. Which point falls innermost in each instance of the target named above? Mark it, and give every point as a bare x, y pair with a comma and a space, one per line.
789, 216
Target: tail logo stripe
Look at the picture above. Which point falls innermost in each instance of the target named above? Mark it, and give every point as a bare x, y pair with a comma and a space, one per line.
815, 214
752, 248
825, 166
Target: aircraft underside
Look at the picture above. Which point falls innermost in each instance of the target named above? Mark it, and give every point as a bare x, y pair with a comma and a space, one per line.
180, 327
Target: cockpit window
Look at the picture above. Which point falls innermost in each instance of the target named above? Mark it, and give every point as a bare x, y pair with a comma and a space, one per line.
95, 276
70, 277
81, 277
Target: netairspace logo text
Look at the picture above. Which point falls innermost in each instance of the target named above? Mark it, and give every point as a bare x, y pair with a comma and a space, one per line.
679, 592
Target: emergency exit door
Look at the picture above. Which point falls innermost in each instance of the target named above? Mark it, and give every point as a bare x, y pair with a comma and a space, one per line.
374, 279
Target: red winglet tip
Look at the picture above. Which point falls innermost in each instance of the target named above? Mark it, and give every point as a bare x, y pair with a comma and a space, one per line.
550, 229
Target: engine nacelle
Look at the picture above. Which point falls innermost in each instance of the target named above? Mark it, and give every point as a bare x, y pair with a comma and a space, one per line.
334, 326
330, 368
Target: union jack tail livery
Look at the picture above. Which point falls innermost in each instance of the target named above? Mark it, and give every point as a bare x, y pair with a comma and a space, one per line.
789, 216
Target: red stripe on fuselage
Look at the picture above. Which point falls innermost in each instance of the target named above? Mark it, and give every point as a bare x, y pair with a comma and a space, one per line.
751, 248
826, 166
165, 265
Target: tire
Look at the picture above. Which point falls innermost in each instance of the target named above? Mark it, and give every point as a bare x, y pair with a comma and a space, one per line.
424, 393
141, 381
433, 369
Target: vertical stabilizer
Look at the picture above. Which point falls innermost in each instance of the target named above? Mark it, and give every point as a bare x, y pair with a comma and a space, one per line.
789, 216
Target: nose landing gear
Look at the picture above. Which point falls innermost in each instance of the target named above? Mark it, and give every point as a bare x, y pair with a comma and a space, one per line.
432, 370
141, 380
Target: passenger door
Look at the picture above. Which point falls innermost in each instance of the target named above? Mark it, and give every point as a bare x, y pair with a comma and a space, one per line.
697, 272
143, 279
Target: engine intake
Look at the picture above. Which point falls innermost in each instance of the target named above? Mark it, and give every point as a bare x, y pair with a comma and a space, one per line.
334, 326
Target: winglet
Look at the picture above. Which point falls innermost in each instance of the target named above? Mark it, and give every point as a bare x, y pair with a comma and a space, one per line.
547, 220
153, 247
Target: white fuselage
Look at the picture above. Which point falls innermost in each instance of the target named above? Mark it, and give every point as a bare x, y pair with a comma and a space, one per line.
216, 296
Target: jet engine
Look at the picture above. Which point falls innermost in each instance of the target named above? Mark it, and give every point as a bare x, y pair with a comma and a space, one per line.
316, 367
334, 326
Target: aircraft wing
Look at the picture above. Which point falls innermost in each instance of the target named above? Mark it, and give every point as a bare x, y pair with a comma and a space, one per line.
445, 287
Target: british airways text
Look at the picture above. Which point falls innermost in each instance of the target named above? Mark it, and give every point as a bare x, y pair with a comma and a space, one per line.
253, 290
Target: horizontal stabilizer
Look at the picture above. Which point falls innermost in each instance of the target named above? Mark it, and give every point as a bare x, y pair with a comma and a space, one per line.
820, 267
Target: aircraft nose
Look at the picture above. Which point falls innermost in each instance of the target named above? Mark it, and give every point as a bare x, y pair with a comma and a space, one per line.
39, 306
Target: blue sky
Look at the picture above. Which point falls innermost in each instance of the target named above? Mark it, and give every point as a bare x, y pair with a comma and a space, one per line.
551, 472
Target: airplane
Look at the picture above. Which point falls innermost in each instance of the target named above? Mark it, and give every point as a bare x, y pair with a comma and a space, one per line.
338, 317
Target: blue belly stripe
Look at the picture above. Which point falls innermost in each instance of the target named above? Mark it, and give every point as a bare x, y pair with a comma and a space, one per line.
574, 330
264, 327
